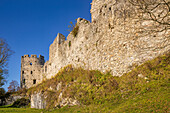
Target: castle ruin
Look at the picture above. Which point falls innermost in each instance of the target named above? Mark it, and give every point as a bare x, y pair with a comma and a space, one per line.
114, 41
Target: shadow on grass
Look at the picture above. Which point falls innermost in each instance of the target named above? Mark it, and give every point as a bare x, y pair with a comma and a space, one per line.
7, 106
12, 106
20, 103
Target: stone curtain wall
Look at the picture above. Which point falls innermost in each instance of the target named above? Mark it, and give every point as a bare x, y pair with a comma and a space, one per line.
114, 41
117, 39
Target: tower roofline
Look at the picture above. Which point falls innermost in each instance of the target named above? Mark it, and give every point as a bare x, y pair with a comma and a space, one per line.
32, 56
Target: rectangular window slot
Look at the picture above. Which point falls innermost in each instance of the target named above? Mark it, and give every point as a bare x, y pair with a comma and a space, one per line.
34, 81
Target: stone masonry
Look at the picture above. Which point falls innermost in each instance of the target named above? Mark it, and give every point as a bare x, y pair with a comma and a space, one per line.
115, 41
31, 70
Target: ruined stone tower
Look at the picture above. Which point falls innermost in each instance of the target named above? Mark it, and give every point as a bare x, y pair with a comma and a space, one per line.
31, 70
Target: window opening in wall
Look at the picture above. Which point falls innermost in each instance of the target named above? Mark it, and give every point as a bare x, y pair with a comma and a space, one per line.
31, 72
110, 8
30, 63
45, 68
69, 43
34, 81
22, 72
100, 10
24, 81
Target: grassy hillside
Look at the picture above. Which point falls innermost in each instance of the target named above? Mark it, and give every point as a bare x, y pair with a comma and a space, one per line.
143, 90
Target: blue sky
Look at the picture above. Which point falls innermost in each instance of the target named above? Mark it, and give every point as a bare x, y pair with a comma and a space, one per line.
30, 26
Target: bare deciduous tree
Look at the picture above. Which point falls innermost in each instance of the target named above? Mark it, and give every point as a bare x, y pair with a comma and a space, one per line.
154, 16
5, 53
14, 86
157, 11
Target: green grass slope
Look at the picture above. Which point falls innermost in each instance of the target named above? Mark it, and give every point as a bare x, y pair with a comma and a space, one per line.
10, 109
146, 89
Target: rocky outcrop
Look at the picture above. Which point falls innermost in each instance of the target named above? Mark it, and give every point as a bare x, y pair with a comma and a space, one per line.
38, 101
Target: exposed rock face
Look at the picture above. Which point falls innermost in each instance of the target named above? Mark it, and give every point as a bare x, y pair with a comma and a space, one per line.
68, 102
37, 101
115, 40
